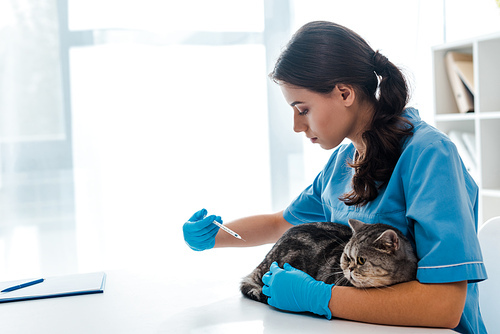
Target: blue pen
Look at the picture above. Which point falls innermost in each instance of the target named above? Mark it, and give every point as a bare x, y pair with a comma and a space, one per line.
20, 286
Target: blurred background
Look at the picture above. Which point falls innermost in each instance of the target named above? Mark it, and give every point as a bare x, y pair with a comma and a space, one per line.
120, 119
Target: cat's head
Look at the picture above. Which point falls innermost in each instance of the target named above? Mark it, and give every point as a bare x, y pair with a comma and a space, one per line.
377, 255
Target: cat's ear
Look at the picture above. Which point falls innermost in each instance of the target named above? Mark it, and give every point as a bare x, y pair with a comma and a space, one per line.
388, 241
355, 224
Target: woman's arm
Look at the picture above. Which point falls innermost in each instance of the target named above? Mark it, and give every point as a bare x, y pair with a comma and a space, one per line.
406, 304
256, 230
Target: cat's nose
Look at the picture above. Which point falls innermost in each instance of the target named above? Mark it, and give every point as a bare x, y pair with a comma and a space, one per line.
351, 269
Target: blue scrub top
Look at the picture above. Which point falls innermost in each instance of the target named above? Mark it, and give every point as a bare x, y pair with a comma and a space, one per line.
430, 197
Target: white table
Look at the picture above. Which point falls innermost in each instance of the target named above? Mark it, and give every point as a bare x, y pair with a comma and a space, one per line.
156, 303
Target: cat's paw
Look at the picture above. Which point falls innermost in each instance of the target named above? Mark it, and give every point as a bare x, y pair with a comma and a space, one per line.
249, 288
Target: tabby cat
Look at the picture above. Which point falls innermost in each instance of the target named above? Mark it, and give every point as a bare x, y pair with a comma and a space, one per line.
363, 256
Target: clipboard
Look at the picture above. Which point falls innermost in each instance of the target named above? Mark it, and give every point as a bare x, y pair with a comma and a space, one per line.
53, 287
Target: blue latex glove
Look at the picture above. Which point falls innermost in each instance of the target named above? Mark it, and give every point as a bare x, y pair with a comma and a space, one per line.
293, 290
199, 232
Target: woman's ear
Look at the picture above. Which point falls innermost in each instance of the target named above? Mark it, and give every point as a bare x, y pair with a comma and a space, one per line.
347, 93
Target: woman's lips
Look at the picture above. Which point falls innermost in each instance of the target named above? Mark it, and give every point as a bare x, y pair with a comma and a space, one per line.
313, 139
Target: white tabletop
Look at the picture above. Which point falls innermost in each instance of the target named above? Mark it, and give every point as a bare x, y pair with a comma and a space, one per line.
155, 303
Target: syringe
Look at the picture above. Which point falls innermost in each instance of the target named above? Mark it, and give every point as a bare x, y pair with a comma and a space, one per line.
228, 230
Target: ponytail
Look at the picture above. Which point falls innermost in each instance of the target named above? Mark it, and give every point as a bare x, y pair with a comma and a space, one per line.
323, 54
383, 140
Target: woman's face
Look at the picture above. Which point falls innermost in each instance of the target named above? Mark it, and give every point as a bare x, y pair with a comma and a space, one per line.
326, 119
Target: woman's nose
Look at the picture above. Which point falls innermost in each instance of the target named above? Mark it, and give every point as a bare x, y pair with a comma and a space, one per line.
299, 124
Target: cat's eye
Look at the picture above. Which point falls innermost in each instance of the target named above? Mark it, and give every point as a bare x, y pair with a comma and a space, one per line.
361, 260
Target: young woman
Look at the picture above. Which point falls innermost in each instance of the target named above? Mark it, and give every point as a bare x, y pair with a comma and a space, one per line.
397, 170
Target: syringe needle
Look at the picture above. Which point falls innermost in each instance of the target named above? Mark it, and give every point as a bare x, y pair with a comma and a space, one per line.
228, 230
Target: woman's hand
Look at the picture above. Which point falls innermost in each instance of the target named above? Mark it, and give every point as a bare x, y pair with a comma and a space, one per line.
293, 290
199, 232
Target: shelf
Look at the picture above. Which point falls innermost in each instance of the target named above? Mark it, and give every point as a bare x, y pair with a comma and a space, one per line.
491, 192
489, 115
455, 117
484, 123
488, 74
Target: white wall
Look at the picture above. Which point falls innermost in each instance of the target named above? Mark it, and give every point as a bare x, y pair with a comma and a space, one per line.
471, 18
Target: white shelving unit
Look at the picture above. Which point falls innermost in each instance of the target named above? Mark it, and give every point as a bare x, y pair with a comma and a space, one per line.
484, 122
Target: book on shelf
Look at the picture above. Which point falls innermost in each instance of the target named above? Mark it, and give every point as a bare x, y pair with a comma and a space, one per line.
459, 67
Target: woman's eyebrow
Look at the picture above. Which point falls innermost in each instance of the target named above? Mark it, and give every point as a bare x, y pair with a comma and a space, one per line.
293, 104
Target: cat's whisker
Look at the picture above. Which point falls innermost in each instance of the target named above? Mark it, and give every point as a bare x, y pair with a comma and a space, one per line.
333, 276
373, 286
341, 280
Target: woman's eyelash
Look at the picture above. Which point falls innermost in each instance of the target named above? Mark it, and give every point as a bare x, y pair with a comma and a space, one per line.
302, 113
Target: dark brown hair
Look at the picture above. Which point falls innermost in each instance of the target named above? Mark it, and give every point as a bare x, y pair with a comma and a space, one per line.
323, 54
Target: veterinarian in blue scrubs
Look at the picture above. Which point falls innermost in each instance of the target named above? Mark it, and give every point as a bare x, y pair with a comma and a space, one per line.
397, 170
